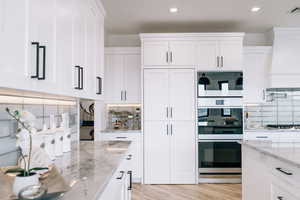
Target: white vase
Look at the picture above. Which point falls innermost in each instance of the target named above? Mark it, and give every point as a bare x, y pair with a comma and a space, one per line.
24, 181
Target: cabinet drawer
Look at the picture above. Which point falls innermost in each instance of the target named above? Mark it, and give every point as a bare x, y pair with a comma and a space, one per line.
285, 172
281, 194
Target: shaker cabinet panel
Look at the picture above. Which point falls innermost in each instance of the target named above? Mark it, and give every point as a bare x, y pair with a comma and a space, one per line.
156, 94
157, 153
183, 151
13, 49
114, 65
207, 55
181, 92
132, 78
231, 53
155, 53
182, 53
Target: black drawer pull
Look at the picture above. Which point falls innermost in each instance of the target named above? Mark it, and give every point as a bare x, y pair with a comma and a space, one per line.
130, 179
37, 44
121, 137
284, 172
44, 63
280, 198
122, 174
262, 137
99, 85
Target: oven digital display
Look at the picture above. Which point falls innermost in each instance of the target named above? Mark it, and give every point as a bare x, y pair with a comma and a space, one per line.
220, 102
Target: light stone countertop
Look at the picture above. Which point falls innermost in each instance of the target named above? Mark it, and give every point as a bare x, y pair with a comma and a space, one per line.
120, 131
288, 152
89, 167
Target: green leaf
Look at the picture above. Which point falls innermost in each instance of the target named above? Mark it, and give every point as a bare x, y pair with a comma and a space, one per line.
38, 168
15, 171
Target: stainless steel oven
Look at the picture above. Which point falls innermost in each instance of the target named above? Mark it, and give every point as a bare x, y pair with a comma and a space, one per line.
219, 161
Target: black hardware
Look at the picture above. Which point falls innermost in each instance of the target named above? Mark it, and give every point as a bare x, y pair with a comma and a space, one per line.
129, 157
44, 63
262, 137
81, 87
222, 61
125, 95
37, 59
121, 137
167, 57
122, 95
218, 61
122, 174
171, 56
78, 78
284, 172
280, 198
130, 179
99, 85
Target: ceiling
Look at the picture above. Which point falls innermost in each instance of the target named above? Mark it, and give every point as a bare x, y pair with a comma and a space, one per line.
136, 16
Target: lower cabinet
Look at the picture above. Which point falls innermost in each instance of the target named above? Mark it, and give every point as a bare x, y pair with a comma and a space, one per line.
267, 178
134, 153
120, 185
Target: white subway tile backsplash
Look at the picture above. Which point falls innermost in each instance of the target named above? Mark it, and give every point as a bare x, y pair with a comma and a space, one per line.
8, 127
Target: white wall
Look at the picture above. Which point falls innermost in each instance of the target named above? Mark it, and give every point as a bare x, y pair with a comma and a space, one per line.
133, 40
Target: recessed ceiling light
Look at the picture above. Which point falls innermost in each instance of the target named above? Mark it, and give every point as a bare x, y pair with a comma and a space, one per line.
173, 10
255, 9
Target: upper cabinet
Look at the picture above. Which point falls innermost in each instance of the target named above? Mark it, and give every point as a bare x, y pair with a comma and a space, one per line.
52, 46
164, 53
123, 75
203, 51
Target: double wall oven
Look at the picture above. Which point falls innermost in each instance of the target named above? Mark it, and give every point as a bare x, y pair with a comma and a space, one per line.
220, 127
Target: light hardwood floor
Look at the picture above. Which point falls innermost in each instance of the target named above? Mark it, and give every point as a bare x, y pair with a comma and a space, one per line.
187, 192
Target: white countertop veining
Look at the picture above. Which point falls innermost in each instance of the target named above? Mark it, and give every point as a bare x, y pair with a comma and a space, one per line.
288, 152
89, 167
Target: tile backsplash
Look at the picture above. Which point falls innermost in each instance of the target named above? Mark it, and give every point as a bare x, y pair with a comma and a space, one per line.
8, 150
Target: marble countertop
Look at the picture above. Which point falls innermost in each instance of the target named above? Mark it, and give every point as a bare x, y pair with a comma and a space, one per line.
120, 131
261, 130
288, 152
89, 167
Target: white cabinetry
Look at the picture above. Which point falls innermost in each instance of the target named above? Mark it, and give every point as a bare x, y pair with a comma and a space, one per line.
120, 185
123, 75
170, 125
257, 61
173, 53
204, 51
220, 54
135, 151
43, 41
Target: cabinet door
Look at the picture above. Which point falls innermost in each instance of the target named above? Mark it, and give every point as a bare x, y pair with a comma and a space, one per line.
255, 76
132, 78
231, 55
182, 53
100, 58
207, 55
79, 43
90, 67
155, 53
13, 48
183, 152
42, 29
182, 92
64, 45
114, 65
157, 152
156, 94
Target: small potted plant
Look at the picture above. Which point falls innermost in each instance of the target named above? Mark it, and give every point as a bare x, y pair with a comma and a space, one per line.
25, 175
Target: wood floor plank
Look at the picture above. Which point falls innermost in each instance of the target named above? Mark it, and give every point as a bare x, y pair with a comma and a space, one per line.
187, 192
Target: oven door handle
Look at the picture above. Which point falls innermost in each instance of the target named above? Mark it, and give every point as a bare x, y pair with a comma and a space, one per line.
218, 140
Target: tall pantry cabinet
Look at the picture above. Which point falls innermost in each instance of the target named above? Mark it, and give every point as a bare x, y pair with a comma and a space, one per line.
169, 126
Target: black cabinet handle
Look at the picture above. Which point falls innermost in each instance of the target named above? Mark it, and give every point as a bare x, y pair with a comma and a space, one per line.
78, 78
125, 95
81, 86
44, 64
280, 198
222, 61
284, 172
122, 174
37, 44
99, 85
130, 179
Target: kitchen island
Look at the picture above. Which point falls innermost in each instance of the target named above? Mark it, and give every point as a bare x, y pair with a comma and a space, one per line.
90, 168
270, 170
